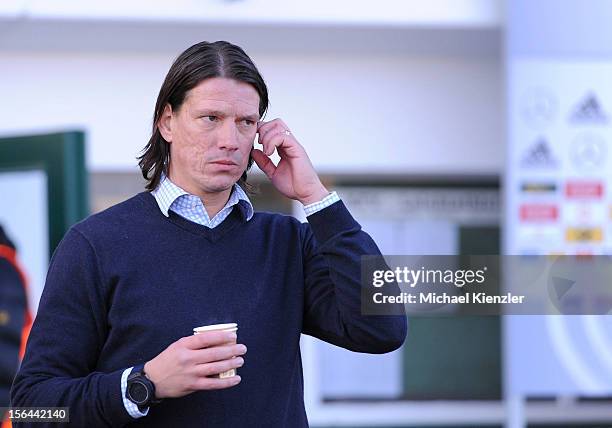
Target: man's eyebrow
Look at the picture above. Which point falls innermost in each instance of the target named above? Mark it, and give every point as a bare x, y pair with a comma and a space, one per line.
209, 112
253, 117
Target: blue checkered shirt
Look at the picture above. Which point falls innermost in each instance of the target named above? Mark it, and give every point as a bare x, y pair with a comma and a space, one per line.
169, 196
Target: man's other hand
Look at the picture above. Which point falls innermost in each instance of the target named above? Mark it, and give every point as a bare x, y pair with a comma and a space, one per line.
187, 364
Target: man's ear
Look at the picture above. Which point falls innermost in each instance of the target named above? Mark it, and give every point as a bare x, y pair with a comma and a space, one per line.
165, 123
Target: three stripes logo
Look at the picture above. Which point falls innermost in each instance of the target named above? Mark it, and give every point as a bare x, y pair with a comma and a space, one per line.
589, 110
539, 155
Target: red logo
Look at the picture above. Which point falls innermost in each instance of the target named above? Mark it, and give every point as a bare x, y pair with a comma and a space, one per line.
584, 189
539, 212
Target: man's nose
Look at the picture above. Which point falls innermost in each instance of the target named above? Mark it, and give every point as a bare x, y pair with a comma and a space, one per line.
228, 136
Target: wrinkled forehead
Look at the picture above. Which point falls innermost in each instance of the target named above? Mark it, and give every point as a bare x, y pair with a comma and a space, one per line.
224, 94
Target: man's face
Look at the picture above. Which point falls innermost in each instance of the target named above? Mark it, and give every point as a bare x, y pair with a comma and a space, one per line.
211, 135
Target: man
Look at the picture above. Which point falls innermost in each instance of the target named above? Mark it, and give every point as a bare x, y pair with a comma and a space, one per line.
113, 337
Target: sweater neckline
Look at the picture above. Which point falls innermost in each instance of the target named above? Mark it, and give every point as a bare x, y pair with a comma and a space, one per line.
235, 218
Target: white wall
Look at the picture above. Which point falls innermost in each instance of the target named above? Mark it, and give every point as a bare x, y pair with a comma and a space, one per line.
25, 222
369, 112
388, 12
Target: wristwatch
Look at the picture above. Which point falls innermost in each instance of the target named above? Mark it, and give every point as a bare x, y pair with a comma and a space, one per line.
140, 389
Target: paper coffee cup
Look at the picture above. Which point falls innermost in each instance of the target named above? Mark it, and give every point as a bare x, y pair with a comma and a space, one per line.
228, 327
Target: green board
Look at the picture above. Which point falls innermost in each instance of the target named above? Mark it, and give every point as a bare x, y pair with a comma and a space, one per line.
62, 157
456, 358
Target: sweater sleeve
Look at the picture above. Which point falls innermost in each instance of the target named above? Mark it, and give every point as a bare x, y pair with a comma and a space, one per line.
333, 246
69, 331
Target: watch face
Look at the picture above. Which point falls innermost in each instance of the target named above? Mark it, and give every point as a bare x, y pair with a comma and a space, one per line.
138, 392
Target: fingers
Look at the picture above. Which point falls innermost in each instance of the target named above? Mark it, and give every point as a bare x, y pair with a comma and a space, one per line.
217, 353
205, 374
183, 367
212, 369
263, 162
272, 135
208, 339
208, 383
272, 140
263, 128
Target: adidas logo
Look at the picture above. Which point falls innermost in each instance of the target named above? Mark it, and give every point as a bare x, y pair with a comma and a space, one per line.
539, 155
589, 110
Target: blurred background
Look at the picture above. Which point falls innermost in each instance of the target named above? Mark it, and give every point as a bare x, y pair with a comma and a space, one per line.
446, 126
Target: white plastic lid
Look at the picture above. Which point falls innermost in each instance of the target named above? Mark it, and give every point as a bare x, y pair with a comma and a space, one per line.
213, 327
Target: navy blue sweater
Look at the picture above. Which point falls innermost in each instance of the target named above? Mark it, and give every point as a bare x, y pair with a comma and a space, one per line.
127, 282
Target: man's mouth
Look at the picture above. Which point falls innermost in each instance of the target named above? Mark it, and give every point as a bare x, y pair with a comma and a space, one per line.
225, 162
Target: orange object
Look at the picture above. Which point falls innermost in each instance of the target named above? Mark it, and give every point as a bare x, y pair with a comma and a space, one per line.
9, 254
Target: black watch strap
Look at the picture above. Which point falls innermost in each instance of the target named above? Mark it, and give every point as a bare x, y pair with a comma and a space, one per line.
140, 390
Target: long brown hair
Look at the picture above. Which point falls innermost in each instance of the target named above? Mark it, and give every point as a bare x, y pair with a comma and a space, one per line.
201, 61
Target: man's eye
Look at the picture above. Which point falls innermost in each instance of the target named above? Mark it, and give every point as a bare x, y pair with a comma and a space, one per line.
249, 122
211, 118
